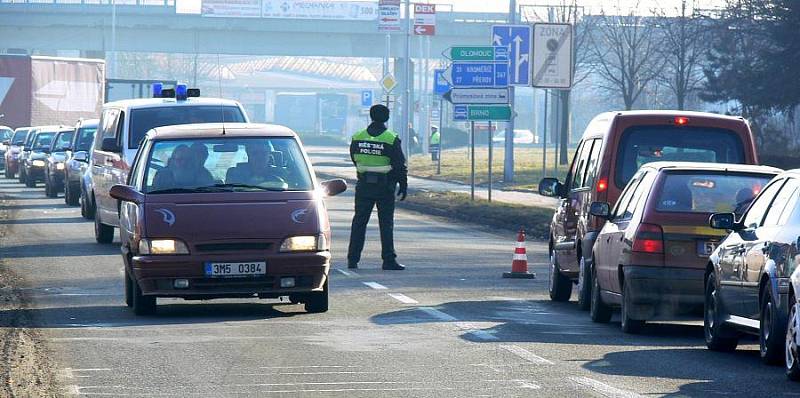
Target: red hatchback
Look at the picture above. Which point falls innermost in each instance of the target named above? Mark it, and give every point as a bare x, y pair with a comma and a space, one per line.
233, 211
650, 257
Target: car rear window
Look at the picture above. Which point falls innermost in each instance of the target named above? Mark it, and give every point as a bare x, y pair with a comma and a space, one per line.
142, 120
709, 192
226, 164
19, 137
645, 144
83, 142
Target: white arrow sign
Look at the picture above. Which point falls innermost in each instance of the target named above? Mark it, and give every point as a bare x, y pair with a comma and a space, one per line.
69, 96
5, 85
479, 96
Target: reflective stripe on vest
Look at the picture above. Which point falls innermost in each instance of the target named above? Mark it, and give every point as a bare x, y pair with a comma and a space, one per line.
371, 152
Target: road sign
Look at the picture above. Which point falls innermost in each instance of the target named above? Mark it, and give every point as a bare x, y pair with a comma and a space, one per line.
425, 19
481, 112
517, 38
440, 84
478, 96
478, 74
478, 53
388, 83
389, 16
366, 98
552, 55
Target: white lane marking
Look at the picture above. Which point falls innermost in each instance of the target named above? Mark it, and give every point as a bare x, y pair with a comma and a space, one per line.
437, 314
403, 298
345, 273
526, 355
375, 285
603, 388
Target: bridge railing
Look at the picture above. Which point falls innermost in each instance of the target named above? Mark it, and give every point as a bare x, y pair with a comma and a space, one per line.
161, 3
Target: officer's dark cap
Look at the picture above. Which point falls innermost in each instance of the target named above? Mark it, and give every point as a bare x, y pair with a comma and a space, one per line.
379, 113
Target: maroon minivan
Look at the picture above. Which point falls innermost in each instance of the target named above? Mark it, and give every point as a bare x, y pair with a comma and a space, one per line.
212, 211
613, 147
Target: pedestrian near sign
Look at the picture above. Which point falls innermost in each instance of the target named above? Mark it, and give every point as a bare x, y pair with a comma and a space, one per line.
552, 55
425, 19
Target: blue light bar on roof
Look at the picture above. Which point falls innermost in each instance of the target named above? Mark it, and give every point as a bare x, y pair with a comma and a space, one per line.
181, 92
157, 87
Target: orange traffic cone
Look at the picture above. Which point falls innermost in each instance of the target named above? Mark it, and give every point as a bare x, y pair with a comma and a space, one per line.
519, 266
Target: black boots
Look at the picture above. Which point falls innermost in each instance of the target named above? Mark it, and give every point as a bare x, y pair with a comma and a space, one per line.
393, 266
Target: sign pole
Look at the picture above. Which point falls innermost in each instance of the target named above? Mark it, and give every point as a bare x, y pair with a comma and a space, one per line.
544, 136
508, 163
407, 81
426, 135
490, 160
472, 167
441, 137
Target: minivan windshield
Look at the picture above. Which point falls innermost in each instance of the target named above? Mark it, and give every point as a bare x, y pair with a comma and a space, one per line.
84, 139
144, 119
62, 141
691, 192
645, 144
19, 137
226, 164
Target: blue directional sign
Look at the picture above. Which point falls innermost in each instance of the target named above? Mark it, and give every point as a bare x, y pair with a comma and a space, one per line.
460, 112
517, 39
479, 74
440, 84
366, 98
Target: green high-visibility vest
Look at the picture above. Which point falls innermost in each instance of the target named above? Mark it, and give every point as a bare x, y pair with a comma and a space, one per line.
371, 153
435, 138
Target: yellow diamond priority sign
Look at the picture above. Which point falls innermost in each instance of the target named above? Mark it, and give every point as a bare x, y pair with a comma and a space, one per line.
388, 83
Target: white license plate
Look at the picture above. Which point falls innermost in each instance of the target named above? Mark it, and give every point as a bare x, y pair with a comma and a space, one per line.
233, 270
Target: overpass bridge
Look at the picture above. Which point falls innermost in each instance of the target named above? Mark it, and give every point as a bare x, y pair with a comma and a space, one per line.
155, 27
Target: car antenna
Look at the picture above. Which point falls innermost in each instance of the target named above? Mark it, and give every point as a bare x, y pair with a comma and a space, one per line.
221, 105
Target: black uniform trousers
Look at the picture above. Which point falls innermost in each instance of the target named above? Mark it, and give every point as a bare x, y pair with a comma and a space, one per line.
367, 197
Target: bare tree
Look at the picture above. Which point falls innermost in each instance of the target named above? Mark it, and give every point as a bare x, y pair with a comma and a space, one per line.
683, 41
626, 54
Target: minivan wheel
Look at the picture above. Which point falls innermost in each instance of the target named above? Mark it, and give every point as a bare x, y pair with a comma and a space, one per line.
792, 358
71, 197
49, 189
629, 325
584, 285
142, 305
317, 302
598, 310
103, 233
772, 331
560, 286
717, 335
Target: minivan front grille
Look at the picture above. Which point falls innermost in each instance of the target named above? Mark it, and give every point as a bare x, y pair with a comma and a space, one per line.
233, 246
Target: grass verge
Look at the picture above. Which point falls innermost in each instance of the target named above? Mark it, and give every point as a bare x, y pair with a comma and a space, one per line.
505, 216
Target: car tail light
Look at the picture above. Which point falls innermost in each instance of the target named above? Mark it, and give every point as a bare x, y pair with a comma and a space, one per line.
681, 120
602, 185
649, 239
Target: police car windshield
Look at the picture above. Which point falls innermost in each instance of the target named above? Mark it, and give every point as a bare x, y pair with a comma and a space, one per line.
226, 164
144, 119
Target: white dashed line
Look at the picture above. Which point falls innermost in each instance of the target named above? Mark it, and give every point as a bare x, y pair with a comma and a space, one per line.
603, 388
526, 355
345, 273
375, 285
403, 298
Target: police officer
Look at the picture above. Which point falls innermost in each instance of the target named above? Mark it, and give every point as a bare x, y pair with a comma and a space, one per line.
378, 157
435, 142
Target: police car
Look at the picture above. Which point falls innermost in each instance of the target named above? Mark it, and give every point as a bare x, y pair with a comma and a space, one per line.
122, 127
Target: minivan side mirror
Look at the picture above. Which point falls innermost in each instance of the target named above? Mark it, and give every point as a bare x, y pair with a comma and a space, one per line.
550, 187
334, 187
109, 144
600, 209
81, 156
726, 221
126, 193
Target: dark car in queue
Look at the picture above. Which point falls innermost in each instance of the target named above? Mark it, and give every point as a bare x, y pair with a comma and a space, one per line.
792, 361
56, 162
749, 289
650, 257
5, 142
214, 211
14, 149
25, 151
35, 158
613, 147
78, 160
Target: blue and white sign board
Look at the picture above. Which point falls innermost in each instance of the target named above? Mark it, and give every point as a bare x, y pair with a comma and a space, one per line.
440, 84
478, 74
460, 112
517, 39
366, 98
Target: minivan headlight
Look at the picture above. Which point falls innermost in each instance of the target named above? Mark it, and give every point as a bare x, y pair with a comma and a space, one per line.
304, 243
162, 246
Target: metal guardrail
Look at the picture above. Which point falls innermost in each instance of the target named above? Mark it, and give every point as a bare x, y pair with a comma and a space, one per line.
156, 3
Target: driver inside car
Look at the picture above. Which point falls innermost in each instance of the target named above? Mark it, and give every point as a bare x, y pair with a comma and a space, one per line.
181, 171
257, 170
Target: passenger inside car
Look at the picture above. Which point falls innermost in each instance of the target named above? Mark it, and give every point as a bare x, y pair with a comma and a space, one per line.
258, 169
182, 171
677, 196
